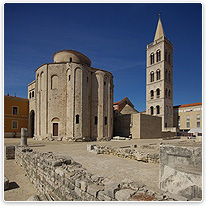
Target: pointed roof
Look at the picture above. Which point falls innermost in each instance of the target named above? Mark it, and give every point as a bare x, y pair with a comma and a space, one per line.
159, 31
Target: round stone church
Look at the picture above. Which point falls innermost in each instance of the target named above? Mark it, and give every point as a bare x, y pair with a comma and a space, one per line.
71, 100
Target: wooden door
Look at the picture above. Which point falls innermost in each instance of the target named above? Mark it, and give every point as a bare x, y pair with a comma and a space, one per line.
55, 129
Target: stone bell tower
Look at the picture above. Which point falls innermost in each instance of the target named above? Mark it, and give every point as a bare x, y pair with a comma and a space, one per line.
159, 85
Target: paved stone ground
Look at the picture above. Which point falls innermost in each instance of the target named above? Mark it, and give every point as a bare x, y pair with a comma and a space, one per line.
20, 188
105, 165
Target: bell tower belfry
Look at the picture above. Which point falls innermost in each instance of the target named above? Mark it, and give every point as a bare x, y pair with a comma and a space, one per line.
159, 84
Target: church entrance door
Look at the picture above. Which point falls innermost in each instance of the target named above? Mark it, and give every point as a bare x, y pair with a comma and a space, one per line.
55, 129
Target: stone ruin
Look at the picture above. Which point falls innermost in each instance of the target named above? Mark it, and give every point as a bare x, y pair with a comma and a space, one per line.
61, 179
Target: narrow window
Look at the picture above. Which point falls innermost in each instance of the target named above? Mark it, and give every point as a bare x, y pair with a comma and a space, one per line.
166, 74
151, 110
152, 58
104, 83
95, 120
32, 93
15, 110
198, 124
152, 94
70, 59
178, 121
14, 124
151, 76
198, 117
158, 74
165, 124
69, 77
158, 109
105, 120
77, 119
188, 124
158, 55
158, 92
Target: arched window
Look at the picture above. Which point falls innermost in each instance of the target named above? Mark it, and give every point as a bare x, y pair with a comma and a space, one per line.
158, 74
42, 81
69, 77
158, 55
158, 93
152, 94
105, 120
158, 109
152, 58
151, 76
169, 75
32, 93
169, 94
166, 74
165, 92
54, 82
165, 55
151, 110
77, 119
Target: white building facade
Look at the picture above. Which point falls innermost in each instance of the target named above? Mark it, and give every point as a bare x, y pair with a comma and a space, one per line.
71, 100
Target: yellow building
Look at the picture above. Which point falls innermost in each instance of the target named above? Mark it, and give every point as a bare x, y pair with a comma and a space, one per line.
188, 118
16, 112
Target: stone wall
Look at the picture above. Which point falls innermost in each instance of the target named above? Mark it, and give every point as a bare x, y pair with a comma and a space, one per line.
138, 126
62, 179
181, 170
130, 153
122, 125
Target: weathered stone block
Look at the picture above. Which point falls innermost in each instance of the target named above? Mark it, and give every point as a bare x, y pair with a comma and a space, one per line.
180, 170
84, 185
78, 183
124, 194
60, 171
10, 152
77, 191
6, 183
93, 189
111, 188
103, 197
34, 198
56, 163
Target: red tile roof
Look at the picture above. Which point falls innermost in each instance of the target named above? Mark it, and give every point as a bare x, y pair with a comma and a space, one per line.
120, 101
9, 96
189, 105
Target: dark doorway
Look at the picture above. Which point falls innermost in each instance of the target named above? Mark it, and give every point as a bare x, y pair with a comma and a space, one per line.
32, 116
55, 129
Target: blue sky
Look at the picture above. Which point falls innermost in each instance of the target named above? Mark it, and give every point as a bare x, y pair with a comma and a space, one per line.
113, 36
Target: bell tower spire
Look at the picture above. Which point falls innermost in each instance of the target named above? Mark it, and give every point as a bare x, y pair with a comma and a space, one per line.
159, 87
159, 31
